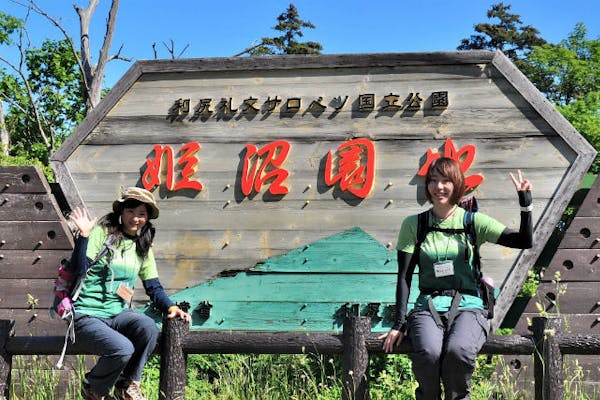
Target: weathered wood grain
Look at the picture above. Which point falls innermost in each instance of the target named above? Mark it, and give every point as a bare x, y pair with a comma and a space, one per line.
573, 323
575, 265
567, 298
35, 323
28, 207
31, 264
582, 233
35, 235
491, 105
26, 179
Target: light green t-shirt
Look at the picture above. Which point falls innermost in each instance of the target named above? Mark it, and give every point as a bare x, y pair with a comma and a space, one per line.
443, 246
99, 296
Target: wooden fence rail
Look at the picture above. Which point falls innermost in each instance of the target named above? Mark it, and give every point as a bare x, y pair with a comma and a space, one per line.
355, 343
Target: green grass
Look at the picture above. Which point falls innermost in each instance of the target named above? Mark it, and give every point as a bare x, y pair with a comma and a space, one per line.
287, 377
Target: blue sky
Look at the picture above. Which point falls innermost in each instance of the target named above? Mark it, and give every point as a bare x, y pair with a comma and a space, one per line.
224, 28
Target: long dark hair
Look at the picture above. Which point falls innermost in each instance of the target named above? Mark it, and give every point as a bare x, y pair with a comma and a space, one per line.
143, 241
448, 168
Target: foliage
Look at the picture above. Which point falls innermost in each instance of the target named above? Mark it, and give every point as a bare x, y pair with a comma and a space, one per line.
584, 115
259, 376
392, 377
508, 35
45, 105
290, 25
22, 159
55, 76
283, 377
567, 71
8, 25
530, 285
43, 92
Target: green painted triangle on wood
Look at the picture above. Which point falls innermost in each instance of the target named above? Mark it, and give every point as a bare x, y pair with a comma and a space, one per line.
310, 288
351, 251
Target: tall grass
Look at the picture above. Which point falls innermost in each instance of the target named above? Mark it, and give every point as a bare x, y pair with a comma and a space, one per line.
286, 377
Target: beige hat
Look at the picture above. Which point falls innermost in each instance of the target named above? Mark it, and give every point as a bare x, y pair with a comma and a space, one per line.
139, 194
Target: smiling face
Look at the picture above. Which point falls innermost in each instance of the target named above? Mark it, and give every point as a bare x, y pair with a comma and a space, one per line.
133, 219
440, 189
445, 182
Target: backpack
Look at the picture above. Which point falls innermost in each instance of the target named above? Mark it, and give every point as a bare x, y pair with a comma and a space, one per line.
485, 288
67, 286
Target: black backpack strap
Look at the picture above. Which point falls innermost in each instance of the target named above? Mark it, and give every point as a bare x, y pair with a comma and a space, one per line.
422, 230
469, 224
486, 291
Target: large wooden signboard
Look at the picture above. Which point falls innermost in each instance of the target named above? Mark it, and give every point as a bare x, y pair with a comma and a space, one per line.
252, 157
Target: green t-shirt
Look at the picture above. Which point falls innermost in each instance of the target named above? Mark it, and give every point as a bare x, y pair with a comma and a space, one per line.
442, 246
99, 296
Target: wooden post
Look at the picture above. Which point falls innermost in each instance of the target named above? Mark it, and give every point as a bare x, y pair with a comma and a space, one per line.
548, 359
355, 358
172, 360
6, 328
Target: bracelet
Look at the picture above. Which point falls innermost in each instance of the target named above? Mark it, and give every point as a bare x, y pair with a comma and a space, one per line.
174, 306
528, 208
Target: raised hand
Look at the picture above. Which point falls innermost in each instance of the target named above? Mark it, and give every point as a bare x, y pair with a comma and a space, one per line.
82, 221
519, 182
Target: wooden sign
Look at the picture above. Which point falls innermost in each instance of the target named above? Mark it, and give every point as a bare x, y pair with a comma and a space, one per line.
250, 158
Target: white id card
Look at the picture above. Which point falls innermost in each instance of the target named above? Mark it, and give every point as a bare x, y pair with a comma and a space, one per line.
443, 268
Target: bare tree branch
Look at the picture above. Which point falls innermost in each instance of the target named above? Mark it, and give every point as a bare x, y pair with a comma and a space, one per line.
92, 74
32, 5
118, 56
38, 118
247, 50
103, 57
171, 49
183, 51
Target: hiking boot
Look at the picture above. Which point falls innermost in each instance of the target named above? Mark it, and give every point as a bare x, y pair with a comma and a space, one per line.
128, 390
88, 394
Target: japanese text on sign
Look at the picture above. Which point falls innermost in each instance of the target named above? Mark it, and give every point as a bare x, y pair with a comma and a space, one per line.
352, 167
204, 108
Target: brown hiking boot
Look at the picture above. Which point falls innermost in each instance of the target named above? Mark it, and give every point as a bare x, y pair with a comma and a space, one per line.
128, 390
88, 394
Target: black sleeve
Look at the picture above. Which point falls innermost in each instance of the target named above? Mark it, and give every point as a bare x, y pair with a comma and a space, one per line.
79, 261
157, 294
405, 272
523, 239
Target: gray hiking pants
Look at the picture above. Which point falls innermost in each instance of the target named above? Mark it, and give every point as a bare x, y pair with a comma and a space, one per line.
449, 356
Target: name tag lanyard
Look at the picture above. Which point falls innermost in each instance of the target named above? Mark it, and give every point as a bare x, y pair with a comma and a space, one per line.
443, 267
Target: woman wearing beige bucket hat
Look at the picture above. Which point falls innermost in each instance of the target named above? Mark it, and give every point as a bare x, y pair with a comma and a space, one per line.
104, 319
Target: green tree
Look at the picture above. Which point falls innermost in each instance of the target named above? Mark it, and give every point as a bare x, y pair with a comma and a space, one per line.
567, 71
584, 115
507, 34
8, 25
46, 91
46, 103
291, 25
